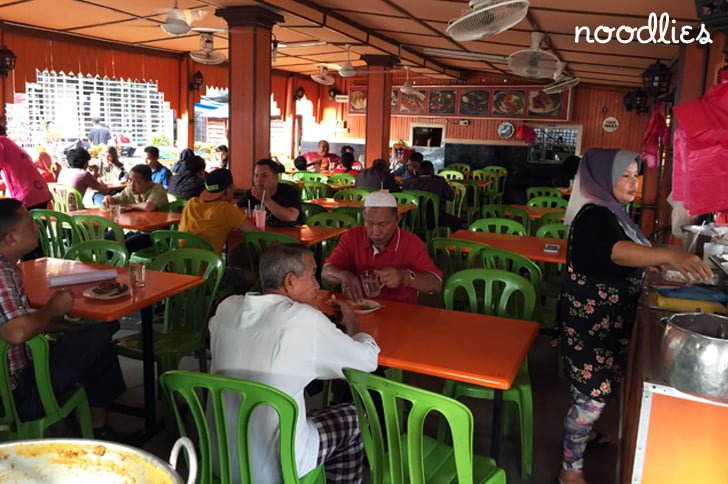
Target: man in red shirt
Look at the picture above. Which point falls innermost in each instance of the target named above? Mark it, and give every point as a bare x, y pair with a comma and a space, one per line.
322, 160
399, 258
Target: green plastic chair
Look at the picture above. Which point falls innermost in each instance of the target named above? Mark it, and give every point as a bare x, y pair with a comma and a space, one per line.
11, 427
358, 194
553, 231
205, 400
56, 231
94, 227
498, 226
295, 185
185, 315
461, 167
256, 242
309, 209
511, 262
398, 450
171, 197
428, 214
498, 174
520, 215
452, 255
504, 294
548, 202
166, 240
314, 189
410, 217
451, 174
472, 203
177, 206
309, 176
109, 252
65, 198
353, 212
331, 219
343, 179
455, 206
533, 192
553, 217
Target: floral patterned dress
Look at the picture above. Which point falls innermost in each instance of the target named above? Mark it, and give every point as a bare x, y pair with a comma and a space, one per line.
597, 305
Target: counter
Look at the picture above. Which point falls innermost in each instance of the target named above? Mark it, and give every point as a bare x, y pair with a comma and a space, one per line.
667, 436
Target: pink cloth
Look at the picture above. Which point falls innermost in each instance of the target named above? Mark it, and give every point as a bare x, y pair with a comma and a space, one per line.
21, 178
655, 132
79, 179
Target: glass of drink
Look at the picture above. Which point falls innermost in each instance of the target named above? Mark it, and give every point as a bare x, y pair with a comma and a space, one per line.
114, 212
260, 214
137, 274
370, 283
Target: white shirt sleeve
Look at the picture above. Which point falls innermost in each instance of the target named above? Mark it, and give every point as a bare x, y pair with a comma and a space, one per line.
336, 350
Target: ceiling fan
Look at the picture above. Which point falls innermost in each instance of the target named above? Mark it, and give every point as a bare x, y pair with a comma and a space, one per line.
533, 62
409, 88
486, 18
562, 81
277, 45
207, 53
323, 76
179, 22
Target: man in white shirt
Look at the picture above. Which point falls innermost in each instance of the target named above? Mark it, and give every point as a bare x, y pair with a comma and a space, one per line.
281, 338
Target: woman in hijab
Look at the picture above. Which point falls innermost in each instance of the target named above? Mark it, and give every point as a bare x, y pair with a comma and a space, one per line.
606, 256
189, 182
184, 155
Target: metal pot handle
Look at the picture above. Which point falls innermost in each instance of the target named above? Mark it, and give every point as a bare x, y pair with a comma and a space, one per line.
190, 448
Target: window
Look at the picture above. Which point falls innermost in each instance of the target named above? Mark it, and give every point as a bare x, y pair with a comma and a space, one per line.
430, 136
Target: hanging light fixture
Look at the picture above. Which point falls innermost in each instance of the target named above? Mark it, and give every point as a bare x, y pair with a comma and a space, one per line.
629, 101
197, 81
640, 101
7, 61
656, 79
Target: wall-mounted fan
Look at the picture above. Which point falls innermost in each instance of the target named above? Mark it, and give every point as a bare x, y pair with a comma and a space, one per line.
562, 81
207, 53
323, 76
179, 22
277, 45
487, 17
534, 63
409, 88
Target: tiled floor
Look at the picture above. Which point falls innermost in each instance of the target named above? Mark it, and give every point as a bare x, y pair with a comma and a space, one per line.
550, 403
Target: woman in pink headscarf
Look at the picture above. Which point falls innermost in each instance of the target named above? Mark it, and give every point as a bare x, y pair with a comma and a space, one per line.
45, 167
21, 178
606, 256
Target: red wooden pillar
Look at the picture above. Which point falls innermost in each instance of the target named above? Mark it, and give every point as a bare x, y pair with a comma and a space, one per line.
379, 92
188, 97
249, 45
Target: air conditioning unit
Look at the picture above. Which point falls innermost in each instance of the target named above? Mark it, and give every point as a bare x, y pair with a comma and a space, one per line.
341, 98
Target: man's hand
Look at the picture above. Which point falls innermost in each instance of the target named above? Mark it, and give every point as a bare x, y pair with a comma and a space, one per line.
60, 303
108, 200
391, 277
257, 192
351, 287
349, 319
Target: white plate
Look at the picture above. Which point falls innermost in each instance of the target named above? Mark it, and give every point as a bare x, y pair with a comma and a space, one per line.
89, 293
374, 306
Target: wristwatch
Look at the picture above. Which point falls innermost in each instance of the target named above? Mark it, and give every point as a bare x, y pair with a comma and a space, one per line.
411, 276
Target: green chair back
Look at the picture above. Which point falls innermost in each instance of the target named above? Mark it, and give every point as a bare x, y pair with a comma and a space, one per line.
410, 217
553, 217
165, 240
94, 227
343, 179
314, 189
11, 427
398, 449
520, 215
490, 291
548, 202
533, 192
553, 231
331, 219
256, 243
295, 185
498, 226
309, 209
215, 399
452, 255
109, 252
498, 174
455, 206
65, 198
56, 231
177, 206
511, 262
451, 174
428, 212
171, 197
358, 194
461, 167
309, 176
471, 205
353, 212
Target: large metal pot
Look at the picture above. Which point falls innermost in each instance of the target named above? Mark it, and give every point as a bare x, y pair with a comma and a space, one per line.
79, 461
695, 354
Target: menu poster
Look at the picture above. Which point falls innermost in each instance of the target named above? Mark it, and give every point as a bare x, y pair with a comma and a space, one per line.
475, 102
509, 103
358, 100
442, 101
545, 105
413, 103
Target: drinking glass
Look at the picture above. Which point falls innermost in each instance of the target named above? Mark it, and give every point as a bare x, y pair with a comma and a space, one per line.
260, 214
370, 282
137, 274
114, 212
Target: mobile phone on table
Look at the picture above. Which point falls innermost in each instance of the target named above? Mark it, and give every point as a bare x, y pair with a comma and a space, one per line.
551, 248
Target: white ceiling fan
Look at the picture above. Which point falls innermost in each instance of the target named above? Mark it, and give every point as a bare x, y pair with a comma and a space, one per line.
409, 88
487, 17
562, 81
179, 22
534, 62
207, 53
323, 76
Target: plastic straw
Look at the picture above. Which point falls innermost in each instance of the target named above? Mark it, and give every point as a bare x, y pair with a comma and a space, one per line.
695, 238
250, 208
262, 200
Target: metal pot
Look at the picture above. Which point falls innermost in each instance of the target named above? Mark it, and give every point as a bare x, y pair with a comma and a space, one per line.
80, 461
695, 354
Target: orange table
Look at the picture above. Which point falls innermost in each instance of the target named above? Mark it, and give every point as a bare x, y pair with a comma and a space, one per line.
527, 246
136, 219
331, 204
304, 234
334, 186
538, 212
159, 285
467, 347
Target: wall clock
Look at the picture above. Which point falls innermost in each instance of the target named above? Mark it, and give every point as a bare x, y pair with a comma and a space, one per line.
506, 130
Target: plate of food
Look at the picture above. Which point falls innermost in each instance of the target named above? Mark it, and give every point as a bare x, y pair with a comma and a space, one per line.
365, 306
508, 102
541, 103
106, 291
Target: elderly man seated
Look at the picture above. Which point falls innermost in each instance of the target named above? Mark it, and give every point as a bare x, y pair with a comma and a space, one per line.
83, 355
399, 258
281, 338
